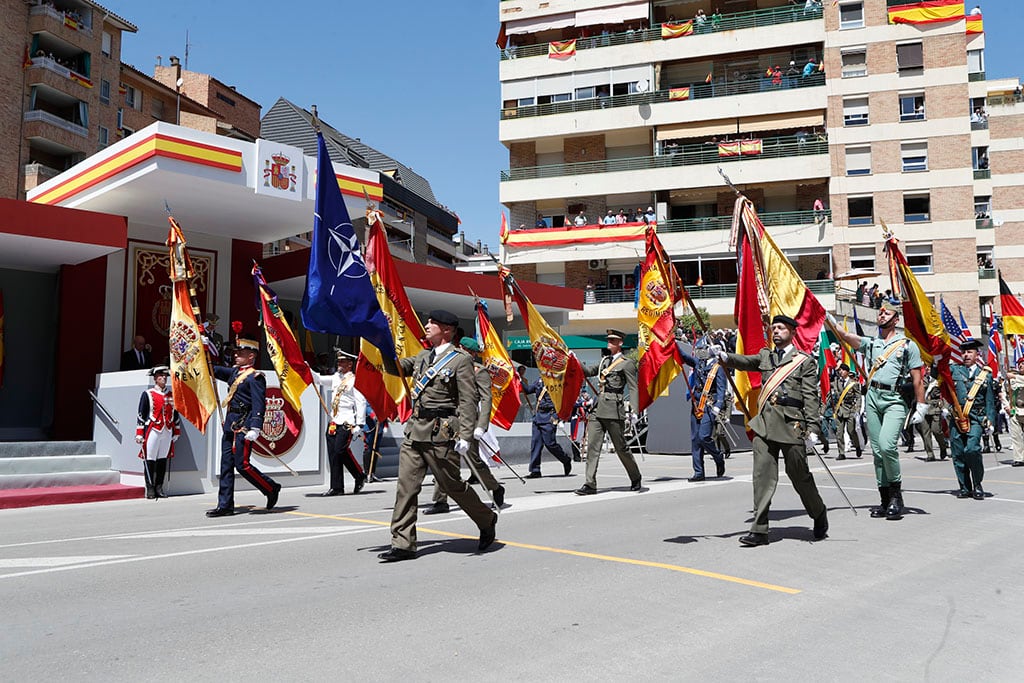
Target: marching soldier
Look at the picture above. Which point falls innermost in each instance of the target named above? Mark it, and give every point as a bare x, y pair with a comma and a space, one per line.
976, 394
158, 428
786, 424
894, 361
578, 423
544, 431
1016, 399
616, 375
847, 410
348, 414
245, 404
722, 434
707, 402
444, 397
486, 403
935, 422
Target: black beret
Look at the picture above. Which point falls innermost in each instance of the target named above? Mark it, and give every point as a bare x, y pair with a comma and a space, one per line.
785, 320
970, 344
443, 317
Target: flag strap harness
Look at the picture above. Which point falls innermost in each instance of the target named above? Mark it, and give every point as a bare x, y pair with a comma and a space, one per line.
778, 377
963, 422
612, 366
237, 383
845, 391
880, 361
431, 373
699, 410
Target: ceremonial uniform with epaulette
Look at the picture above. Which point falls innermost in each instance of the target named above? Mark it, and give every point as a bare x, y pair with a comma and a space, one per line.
444, 414
847, 412
933, 424
786, 424
544, 431
616, 386
245, 404
348, 414
707, 395
976, 396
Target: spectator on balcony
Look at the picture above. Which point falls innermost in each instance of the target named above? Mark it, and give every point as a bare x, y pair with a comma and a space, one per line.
861, 286
1017, 93
776, 76
812, 6
983, 162
580, 220
589, 295
541, 223
716, 19
609, 218
620, 217
629, 283
809, 68
976, 11
650, 216
699, 20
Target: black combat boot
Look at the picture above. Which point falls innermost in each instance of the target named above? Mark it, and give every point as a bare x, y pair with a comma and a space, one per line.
895, 509
150, 475
158, 481
886, 495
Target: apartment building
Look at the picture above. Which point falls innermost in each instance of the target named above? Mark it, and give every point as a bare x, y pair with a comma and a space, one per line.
827, 116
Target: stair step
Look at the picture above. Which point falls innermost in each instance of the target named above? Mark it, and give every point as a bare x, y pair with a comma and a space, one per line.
55, 463
61, 495
58, 479
23, 449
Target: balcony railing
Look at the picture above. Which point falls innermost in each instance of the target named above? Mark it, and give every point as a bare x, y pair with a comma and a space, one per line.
986, 273
684, 155
64, 19
698, 91
53, 119
982, 174
618, 296
979, 125
725, 222
983, 223
976, 76
60, 70
772, 16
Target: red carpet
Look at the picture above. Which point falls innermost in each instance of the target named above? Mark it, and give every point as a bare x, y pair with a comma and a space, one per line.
61, 495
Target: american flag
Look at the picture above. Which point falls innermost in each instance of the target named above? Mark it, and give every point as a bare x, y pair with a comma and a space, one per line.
956, 333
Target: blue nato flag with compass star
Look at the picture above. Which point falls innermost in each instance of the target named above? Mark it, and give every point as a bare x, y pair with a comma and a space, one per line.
339, 297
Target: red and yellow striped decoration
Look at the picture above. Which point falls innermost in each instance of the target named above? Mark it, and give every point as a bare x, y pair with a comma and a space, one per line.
81, 80
729, 149
751, 147
974, 24
679, 94
553, 237
70, 23
669, 31
928, 12
562, 49
354, 187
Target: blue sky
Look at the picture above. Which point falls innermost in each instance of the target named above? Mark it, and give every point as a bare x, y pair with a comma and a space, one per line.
418, 80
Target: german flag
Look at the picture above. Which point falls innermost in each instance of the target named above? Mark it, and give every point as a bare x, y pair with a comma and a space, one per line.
562, 49
929, 12
1013, 311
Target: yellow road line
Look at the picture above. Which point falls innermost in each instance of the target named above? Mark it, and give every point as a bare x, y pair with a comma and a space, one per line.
577, 553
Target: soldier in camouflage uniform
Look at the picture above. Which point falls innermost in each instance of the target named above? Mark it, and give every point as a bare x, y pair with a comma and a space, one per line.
935, 423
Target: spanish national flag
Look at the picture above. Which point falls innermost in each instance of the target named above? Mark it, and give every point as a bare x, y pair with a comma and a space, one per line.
975, 24
928, 12
1013, 311
751, 147
679, 94
669, 31
660, 361
562, 49
729, 149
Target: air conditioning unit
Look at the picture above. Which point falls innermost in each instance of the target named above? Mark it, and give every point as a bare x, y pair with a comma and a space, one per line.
597, 264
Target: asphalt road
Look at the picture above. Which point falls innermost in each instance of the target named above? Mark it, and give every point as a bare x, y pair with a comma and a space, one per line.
651, 584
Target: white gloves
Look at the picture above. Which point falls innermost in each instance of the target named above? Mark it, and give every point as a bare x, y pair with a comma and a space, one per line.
945, 414
175, 438
720, 355
478, 433
714, 350
252, 435
462, 447
811, 440
356, 429
715, 410
138, 438
919, 412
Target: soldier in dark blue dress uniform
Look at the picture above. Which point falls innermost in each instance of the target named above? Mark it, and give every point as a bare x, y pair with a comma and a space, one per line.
245, 404
545, 422
708, 398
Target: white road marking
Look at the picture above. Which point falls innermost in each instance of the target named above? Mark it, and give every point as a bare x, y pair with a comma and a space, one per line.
20, 562
276, 531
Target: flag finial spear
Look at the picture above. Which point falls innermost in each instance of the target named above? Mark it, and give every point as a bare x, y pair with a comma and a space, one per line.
316, 118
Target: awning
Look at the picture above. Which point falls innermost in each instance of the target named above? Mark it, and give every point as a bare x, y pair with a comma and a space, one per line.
573, 341
619, 14
751, 124
548, 23
43, 238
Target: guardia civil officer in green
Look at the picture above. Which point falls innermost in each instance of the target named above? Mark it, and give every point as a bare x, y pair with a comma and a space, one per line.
976, 394
616, 374
894, 361
444, 414
787, 423
935, 422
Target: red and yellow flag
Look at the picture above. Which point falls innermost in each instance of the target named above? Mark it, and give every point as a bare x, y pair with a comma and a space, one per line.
660, 360
1013, 311
679, 94
505, 384
386, 393
282, 347
561, 372
562, 49
975, 24
503, 232
669, 31
931, 11
191, 381
729, 149
751, 147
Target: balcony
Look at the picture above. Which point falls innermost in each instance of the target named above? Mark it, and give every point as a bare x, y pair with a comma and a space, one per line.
697, 91
983, 223
54, 120
773, 16
681, 155
61, 70
615, 296
979, 125
66, 20
976, 76
986, 273
725, 222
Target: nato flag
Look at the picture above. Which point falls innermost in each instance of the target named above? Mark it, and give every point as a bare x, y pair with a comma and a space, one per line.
339, 297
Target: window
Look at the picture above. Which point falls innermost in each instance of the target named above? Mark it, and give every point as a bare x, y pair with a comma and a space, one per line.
975, 61
983, 206
910, 59
916, 207
979, 158
224, 98
861, 209
855, 62
858, 160
559, 97
104, 137
912, 107
851, 15
104, 91
120, 119
919, 256
105, 48
862, 257
914, 156
157, 108
855, 111
586, 93
132, 97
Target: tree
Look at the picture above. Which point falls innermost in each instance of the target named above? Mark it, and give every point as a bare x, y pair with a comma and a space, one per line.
689, 321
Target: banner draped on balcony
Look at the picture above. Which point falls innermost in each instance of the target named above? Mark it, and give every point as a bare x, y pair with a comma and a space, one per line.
729, 149
562, 49
669, 31
679, 94
932, 11
975, 24
590, 234
751, 147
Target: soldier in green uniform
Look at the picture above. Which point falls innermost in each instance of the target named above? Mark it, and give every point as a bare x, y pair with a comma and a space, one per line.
847, 412
1016, 381
934, 419
616, 375
444, 398
894, 360
976, 394
787, 424
486, 403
